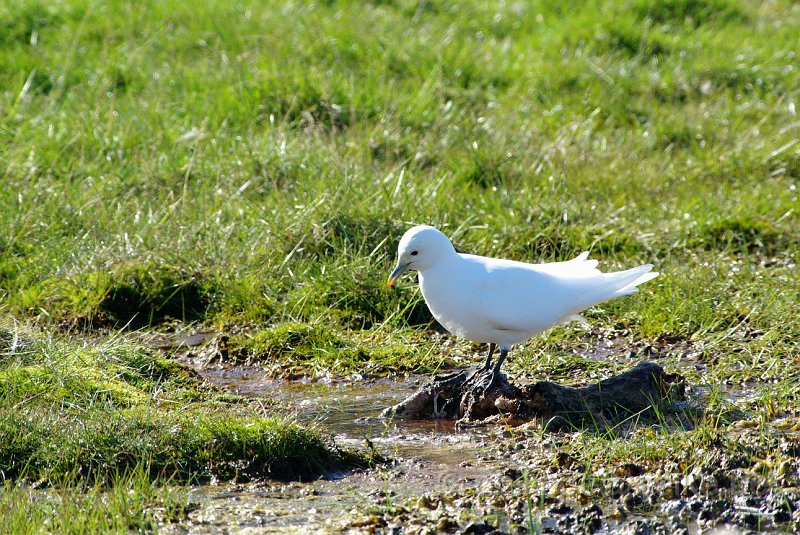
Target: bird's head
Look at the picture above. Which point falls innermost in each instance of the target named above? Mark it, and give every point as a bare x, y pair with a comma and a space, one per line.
420, 248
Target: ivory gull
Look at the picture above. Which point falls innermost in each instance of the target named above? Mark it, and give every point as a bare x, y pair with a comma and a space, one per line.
505, 302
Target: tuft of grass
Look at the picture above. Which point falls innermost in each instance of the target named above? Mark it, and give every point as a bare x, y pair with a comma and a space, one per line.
746, 235
130, 295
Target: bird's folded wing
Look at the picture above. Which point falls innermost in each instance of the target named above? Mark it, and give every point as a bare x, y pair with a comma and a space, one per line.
526, 299
534, 297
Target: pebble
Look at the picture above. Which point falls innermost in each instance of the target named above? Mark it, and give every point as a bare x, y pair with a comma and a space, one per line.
478, 528
725, 488
561, 508
445, 523
632, 500
629, 470
673, 507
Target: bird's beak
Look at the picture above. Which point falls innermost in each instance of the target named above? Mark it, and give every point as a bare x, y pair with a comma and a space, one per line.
399, 270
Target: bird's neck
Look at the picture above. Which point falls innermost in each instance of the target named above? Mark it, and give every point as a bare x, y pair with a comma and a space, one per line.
441, 270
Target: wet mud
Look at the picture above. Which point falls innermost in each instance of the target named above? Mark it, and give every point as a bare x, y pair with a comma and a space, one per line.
502, 479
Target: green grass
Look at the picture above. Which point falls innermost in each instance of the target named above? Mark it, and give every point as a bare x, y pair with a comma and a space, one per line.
129, 504
257, 164
319, 348
251, 167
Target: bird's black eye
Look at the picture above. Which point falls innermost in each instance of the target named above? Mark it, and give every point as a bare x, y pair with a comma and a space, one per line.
414, 253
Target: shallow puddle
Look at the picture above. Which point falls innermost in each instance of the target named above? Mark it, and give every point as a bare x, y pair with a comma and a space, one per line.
347, 409
429, 457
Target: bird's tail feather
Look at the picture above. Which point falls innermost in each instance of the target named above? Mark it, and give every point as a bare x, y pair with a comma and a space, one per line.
645, 276
610, 286
619, 283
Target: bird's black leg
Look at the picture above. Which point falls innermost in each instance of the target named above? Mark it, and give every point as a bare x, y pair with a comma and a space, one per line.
489, 375
492, 347
500, 359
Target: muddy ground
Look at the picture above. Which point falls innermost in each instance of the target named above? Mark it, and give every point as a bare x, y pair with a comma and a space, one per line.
499, 479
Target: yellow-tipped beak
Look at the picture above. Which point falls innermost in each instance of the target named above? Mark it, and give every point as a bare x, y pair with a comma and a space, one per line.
395, 274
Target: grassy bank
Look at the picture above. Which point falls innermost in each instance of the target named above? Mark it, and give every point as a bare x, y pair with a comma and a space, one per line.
128, 503
104, 409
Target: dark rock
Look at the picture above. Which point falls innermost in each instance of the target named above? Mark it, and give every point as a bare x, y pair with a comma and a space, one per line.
549, 524
463, 395
750, 520
592, 509
723, 480
619, 488
643, 527
695, 505
673, 507
629, 470
561, 508
720, 507
632, 500
556, 424
478, 528
707, 514
746, 501
737, 460
591, 518
593, 524
564, 460
781, 517
512, 473
566, 523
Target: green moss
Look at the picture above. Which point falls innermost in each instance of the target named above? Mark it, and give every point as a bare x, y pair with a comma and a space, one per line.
194, 445
744, 233
326, 348
31, 382
692, 12
96, 412
299, 340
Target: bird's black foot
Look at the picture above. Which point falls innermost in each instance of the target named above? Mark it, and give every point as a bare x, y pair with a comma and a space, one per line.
485, 379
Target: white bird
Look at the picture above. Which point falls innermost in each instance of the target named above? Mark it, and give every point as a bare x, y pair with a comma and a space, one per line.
505, 302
